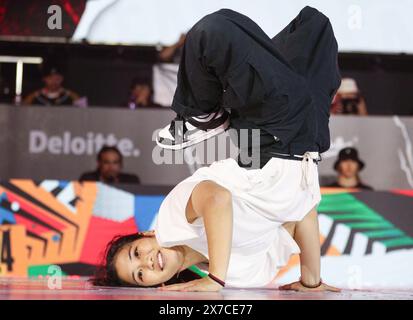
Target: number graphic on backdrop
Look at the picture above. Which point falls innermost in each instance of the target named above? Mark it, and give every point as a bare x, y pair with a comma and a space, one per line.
6, 255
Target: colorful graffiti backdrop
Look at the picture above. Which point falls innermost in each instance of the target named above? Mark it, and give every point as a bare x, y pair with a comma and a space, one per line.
68, 223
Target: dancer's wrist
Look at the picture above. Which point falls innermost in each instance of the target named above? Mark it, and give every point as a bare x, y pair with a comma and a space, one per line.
310, 282
216, 279
221, 275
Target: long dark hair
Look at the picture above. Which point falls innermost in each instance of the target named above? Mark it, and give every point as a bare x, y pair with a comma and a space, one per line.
107, 276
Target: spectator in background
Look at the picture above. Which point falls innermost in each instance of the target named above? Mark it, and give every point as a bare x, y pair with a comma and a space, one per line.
110, 162
53, 93
348, 166
141, 94
348, 99
173, 53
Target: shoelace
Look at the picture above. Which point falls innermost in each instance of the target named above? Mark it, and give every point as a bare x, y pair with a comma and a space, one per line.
185, 129
204, 125
173, 122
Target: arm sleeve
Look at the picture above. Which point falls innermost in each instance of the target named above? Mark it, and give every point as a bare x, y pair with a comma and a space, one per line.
171, 226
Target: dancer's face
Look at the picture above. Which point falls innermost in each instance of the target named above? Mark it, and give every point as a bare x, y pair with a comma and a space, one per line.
138, 263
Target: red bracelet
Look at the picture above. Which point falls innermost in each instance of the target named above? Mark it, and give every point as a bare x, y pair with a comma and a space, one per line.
222, 283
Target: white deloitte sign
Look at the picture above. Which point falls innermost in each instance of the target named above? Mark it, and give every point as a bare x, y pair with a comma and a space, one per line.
67, 144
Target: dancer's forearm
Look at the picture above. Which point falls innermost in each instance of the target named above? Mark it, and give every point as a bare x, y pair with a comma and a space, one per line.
308, 239
218, 227
214, 204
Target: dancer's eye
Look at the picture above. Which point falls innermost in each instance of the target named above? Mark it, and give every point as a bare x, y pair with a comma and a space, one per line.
136, 252
140, 275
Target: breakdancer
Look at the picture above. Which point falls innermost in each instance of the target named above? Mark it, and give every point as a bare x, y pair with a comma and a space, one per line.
241, 225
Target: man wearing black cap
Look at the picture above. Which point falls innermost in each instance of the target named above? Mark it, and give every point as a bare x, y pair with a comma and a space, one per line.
53, 93
348, 166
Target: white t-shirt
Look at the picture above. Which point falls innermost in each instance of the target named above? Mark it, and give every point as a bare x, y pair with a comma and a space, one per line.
263, 199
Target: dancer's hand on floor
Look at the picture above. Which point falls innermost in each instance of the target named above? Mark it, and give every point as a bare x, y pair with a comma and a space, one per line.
297, 286
204, 284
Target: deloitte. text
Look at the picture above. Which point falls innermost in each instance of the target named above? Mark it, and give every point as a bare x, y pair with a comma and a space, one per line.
40, 142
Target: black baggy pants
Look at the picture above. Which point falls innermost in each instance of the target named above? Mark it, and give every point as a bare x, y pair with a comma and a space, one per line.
282, 86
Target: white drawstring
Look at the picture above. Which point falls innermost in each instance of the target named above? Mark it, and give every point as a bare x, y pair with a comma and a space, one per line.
307, 166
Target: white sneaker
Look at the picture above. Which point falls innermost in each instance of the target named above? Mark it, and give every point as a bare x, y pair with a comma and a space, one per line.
184, 132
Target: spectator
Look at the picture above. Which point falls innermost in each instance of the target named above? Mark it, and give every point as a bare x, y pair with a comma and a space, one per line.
173, 53
141, 94
53, 93
348, 99
348, 167
110, 162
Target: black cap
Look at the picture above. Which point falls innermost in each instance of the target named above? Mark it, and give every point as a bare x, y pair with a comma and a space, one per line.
348, 154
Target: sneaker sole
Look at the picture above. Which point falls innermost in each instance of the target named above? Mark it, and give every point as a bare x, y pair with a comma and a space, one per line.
207, 135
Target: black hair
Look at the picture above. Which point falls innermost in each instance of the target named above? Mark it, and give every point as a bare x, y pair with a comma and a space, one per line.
143, 82
140, 81
106, 274
107, 148
52, 64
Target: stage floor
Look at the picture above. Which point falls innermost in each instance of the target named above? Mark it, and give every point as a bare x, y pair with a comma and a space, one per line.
73, 289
